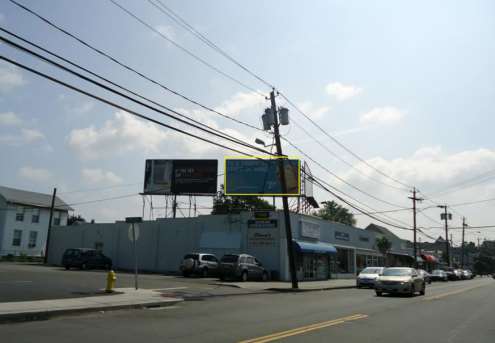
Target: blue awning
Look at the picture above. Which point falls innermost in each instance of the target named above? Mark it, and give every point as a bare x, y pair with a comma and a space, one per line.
315, 248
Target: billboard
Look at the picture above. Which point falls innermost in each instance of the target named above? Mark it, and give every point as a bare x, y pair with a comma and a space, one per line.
260, 177
187, 177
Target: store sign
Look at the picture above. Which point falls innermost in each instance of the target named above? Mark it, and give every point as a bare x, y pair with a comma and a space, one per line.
310, 230
262, 224
343, 236
263, 215
260, 238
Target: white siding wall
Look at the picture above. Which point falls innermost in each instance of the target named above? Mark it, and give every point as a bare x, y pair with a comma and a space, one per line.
10, 225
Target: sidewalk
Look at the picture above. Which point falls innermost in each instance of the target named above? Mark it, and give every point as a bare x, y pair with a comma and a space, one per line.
43, 309
282, 286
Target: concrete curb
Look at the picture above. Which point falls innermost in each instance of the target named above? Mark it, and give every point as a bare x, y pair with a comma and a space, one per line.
300, 290
44, 315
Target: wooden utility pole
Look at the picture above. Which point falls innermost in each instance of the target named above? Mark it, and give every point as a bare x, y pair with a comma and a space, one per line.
285, 202
415, 244
447, 246
50, 225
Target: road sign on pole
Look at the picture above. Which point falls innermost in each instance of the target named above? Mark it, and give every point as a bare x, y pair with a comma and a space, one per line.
133, 234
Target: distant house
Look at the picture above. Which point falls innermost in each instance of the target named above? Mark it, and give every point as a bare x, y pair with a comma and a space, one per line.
24, 218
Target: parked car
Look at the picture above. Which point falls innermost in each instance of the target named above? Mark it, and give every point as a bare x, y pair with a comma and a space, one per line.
425, 275
450, 274
458, 274
199, 264
85, 259
244, 267
467, 274
439, 275
368, 276
400, 280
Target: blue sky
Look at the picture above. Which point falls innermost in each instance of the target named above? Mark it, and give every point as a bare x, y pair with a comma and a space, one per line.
408, 86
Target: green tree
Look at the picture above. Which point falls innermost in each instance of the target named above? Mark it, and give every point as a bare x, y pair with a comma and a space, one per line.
336, 213
384, 246
224, 204
75, 220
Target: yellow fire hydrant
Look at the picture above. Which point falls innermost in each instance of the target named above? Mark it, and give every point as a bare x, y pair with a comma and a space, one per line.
111, 278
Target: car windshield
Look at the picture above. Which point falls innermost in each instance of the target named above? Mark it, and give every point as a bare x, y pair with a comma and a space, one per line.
230, 258
437, 272
371, 271
397, 272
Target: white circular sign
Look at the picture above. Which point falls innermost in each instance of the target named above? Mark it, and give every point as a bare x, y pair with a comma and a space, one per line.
136, 232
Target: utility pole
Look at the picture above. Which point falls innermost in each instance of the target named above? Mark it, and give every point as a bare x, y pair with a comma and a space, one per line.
285, 202
414, 199
50, 225
462, 246
447, 248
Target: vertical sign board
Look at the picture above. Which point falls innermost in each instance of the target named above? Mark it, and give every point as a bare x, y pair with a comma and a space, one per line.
187, 177
310, 230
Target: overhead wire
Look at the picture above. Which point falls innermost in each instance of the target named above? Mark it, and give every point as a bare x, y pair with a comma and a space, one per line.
182, 22
199, 126
187, 51
129, 68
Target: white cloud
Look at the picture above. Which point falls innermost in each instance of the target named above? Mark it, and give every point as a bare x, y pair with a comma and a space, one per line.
122, 133
10, 119
10, 77
31, 135
167, 31
25, 136
82, 108
240, 102
382, 115
99, 176
342, 92
35, 174
314, 112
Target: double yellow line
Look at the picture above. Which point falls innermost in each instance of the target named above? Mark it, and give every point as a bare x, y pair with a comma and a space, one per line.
304, 329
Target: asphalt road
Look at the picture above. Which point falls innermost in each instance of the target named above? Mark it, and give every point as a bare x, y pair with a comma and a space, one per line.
24, 282
450, 312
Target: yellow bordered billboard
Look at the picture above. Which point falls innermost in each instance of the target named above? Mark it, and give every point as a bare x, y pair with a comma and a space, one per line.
259, 176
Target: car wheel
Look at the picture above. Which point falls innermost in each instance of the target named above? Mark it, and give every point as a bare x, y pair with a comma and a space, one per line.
413, 291
107, 266
84, 266
185, 274
358, 286
378, 293
244, 276
204, 272
423, 290
264, 276
67, 267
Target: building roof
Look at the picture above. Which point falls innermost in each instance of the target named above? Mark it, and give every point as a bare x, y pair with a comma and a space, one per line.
22, 197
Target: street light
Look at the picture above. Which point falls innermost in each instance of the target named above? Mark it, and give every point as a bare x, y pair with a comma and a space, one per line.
261, 142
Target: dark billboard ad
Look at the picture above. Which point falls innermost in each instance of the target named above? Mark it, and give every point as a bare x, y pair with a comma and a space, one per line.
188, 177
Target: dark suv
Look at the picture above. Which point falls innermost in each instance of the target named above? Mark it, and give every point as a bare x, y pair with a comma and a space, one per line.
243, 267
85, 258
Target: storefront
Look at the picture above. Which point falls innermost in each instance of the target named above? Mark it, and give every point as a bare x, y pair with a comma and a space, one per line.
313, 260
368, 259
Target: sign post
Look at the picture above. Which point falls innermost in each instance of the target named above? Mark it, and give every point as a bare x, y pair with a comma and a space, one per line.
133, 234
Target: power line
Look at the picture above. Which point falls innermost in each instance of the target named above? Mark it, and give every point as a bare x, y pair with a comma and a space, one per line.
187, 51
338, 177
342, 145
389, 211
357, 208
227, 137
108, 102
335, 155
129, 68
182, 22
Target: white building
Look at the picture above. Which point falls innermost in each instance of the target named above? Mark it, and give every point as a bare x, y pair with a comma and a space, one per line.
24, 218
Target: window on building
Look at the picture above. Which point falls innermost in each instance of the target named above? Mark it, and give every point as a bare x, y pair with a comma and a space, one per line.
56, 218
33, 237
16, 242
35, 217
19, 216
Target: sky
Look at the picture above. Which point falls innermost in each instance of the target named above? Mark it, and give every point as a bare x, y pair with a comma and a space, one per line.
407, 86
